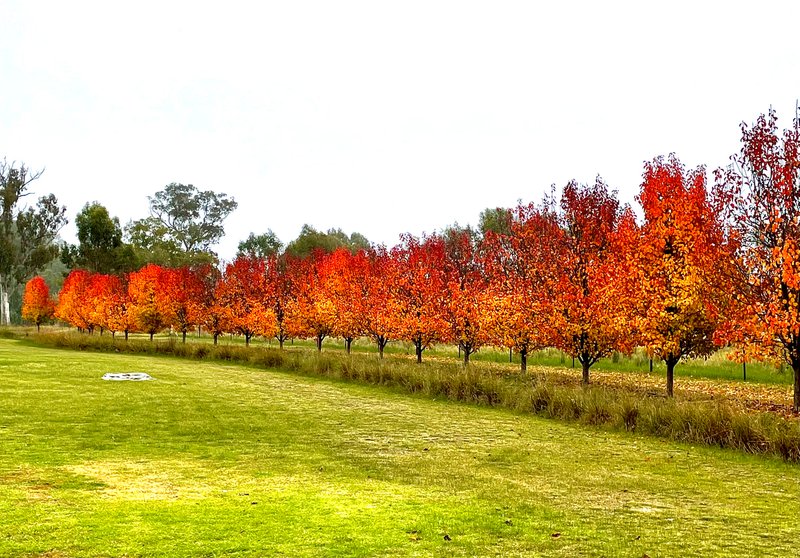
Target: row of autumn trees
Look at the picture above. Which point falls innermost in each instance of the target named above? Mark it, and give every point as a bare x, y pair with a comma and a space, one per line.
705, 267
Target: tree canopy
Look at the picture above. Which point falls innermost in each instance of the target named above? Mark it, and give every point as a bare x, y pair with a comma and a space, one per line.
184, 223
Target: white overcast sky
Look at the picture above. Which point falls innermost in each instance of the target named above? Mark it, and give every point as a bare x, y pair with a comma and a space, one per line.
379, 117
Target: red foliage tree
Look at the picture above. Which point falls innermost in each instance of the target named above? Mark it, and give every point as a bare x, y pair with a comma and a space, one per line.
313, 311
591, 311
522, 277
243, 293
420, 291
344, 276
279, 293
183, 287
212, 314
376, 305
465, 284
37, 305
762, 194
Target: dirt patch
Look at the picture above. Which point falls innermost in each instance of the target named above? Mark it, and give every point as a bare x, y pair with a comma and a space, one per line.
147, 480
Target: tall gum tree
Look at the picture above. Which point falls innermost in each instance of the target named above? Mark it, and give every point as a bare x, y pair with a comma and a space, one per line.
27, 235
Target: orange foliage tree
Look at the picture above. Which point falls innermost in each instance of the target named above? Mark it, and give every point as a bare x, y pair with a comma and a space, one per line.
279, 293
465, 283
344, 277
762, 190
115, 306
313, 311
73, 305
419, 291
212, 314
591, 310
521, 267
149, 305
242, 292
183, 287
377, 302
679, 259
37, 305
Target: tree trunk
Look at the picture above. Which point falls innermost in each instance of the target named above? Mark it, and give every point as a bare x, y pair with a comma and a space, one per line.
382, 344
319, 343
523, 361
796, 368
126, 335
585, 371
467, 352
510, 354
280, 342
184, 336
418, 347
37, 328
671, 362
216, 335
347, 342
744, 371
246, 340
4, 307
151, 336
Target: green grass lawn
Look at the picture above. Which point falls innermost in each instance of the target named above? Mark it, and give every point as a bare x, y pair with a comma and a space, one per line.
213, 459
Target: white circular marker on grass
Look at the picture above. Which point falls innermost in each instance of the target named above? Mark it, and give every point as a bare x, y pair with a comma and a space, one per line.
132, 376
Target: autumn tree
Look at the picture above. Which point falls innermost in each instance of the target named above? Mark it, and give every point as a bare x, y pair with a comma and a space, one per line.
522, 271
344, 281
279, 293
420, 291
313, 309
762, 189
242, 292
591, 309
116, 306
464, 284
213, 315
37, 305
377, 304
680, 258
184, 289
73, 305
149, 303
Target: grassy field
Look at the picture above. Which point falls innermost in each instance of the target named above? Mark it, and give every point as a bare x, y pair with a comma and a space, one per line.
212, 459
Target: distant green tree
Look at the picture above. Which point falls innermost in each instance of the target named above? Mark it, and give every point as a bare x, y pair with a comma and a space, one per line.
260, 246
497, 220
310, 239
100, 247
184, 223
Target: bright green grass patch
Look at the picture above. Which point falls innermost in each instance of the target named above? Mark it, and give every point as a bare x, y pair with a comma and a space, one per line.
213, 459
